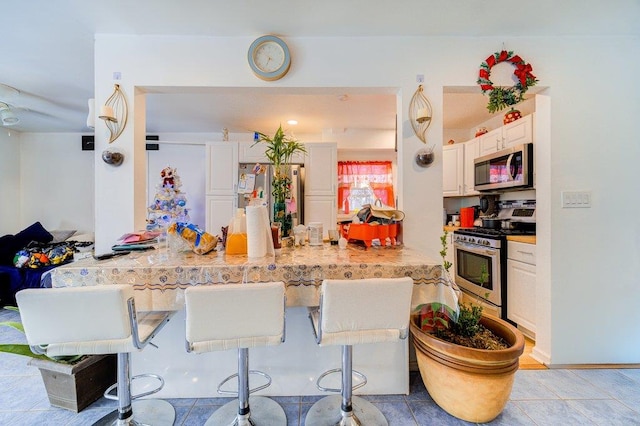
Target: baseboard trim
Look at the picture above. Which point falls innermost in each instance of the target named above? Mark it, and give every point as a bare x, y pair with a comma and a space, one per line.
594, 366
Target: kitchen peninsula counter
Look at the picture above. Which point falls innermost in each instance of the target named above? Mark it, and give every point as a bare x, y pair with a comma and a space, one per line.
160, 277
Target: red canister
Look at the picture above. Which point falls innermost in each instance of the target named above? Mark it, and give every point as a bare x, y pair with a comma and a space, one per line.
466, 217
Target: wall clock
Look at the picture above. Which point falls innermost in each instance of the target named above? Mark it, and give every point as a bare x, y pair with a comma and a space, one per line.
269, 58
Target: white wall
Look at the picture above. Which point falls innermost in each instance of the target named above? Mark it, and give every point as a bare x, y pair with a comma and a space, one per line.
10, 183
57, 181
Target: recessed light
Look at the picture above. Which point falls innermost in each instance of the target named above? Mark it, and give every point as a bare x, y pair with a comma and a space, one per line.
292, 122
343, 98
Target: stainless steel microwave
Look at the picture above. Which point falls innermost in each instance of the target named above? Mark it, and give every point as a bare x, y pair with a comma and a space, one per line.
509, 169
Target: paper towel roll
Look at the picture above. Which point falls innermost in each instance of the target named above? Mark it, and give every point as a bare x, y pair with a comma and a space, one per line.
259, 239
256, 243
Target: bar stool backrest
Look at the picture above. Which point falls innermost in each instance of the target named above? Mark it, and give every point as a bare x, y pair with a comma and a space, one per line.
75, 314
221, 317
364, 310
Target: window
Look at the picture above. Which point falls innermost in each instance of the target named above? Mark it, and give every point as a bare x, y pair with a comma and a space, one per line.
364, 182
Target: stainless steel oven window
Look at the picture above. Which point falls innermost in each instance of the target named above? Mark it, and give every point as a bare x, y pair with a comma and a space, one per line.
470, 266
470, 260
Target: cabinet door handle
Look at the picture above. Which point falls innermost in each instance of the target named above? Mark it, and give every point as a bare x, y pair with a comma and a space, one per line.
525, 252
459, 189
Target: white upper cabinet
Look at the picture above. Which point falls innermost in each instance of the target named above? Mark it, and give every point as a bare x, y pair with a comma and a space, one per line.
514, 133
250, 153
471, 152
321, 168
453, 169
490, 142
518, 132
222, 168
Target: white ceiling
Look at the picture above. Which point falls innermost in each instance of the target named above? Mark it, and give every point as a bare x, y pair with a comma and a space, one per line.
47, 51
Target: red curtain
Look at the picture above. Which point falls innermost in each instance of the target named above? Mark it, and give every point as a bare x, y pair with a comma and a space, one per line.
376, 175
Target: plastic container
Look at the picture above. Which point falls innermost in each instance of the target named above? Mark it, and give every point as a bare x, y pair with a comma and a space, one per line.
315, 233
467, 217
237, 239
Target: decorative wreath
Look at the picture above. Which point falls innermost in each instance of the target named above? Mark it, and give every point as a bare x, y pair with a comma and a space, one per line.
502, 97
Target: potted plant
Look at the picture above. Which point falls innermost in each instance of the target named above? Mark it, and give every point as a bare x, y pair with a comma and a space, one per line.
279, 150
72, 382
469, 383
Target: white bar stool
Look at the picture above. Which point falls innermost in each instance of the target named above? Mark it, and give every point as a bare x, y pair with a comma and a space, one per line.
242, 316
353, 312
100, 319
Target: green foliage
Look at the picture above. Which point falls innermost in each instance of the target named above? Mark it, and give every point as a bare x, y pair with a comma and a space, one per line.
443, 252
467, 324
279, 151
503, 97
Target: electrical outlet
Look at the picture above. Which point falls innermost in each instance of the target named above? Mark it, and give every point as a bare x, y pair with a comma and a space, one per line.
576, 199
420, 78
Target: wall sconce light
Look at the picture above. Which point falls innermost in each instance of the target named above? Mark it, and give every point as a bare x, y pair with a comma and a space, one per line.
114, 113
113, 158
420, 114
425, 156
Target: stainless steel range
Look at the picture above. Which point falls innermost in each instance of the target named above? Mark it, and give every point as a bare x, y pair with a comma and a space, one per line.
479, 250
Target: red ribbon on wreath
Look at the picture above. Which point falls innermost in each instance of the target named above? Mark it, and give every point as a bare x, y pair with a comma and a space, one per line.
522, 71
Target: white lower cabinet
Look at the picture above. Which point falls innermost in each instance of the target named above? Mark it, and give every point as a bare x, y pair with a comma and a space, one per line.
521, 285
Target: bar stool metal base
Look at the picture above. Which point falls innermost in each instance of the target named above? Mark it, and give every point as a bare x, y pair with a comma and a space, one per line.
327, 412
155, 412
264, 411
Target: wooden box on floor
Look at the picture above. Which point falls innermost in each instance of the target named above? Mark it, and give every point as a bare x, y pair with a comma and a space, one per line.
74, 387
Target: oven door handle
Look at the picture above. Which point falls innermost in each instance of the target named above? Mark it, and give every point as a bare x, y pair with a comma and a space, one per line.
475, 249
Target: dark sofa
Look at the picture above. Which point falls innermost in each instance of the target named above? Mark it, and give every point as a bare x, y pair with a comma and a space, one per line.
13, 279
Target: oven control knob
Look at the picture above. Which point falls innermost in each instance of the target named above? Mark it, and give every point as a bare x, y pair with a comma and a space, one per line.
485, 242
472, 240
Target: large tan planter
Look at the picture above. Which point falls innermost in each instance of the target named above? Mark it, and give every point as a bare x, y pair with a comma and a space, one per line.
471, 384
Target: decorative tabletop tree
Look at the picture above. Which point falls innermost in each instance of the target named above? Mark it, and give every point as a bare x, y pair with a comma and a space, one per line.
169, 204
279, 150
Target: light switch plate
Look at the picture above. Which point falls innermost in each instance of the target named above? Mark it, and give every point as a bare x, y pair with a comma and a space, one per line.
576, 199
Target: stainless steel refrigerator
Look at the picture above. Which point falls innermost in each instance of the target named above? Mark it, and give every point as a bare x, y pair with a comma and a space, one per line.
254, 180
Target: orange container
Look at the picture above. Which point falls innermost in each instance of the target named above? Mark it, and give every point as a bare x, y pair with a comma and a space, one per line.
467, 217
363, 232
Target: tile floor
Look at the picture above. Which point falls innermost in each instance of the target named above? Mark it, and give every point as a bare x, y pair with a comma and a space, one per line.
540, 397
